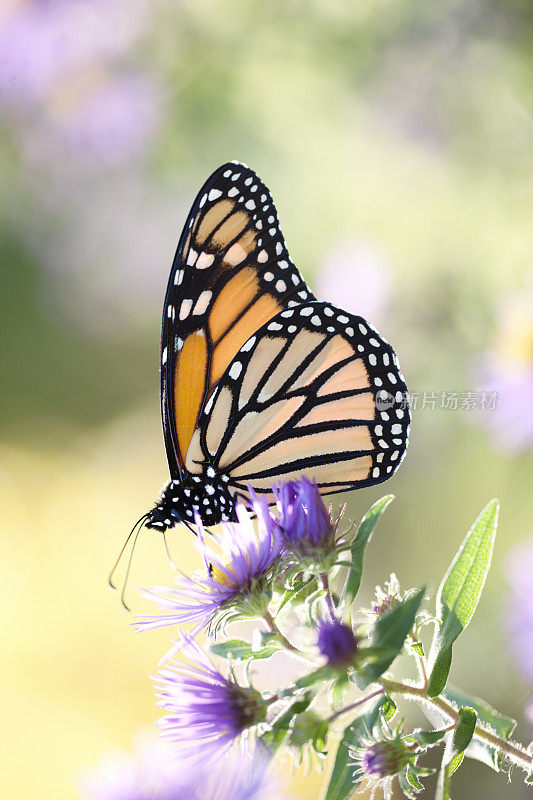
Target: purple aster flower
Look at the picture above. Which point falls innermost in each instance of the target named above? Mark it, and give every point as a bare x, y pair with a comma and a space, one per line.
378, 761
235, 580
386, 598
506, 376
207, 712
154, 772
519, 609
337, 642
355, 276
305, 523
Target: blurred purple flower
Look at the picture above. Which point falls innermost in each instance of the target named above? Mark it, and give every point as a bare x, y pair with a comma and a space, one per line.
529, 710
355, 276
43, 43
305, 523
60, 74
231, 580
207, 712
507, 369
113, 122
511, 419
337, 642
519, 607
154, 772
151, 772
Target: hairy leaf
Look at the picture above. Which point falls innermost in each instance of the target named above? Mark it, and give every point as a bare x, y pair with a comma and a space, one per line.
343, 782
460, 591
240, 650
280, 726
487, 718
390, 633
357, 549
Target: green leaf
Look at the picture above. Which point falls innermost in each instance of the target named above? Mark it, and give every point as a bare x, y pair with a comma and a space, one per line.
390, 633
389, 707
429, 738
460, 591
342, 783
280, 726
418, 647
357, 549
455, 763
318, 676
338, 691
407, 786
298, 592
464, 730
412, 777
240, 650
487, 718
454, 752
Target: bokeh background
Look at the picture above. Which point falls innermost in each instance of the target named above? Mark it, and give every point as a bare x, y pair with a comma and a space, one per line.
396, 137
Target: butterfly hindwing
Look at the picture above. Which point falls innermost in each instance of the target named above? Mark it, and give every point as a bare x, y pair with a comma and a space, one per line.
231, 274
315, 391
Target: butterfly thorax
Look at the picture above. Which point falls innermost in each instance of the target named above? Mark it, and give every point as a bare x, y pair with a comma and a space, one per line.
178, 500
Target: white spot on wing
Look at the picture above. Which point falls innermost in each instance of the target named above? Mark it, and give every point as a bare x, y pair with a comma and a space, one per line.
185, 309
202, 302
204, 260
235, 369
248, 345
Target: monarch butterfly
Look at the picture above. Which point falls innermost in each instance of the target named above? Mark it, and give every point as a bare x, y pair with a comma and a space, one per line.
260, 381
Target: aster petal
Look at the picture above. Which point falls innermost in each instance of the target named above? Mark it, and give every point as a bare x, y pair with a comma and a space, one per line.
206, 710
243, 555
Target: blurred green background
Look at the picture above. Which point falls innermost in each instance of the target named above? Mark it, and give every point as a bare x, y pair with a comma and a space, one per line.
396, 138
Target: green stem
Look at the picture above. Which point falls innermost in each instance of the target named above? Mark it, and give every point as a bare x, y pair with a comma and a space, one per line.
272, 624
356, 704
514, 751
324, 582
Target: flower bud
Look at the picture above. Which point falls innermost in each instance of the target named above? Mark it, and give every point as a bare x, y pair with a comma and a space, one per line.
306, 526
387, 757
337, 642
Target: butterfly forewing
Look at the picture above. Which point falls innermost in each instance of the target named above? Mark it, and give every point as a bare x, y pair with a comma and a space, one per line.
231, 274
315, 391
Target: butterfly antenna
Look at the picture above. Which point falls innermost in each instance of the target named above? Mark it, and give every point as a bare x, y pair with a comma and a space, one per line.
117, 562
170, 559
130, 559
188, 525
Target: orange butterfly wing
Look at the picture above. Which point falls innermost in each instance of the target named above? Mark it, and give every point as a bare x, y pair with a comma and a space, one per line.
317, 392
231, 274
